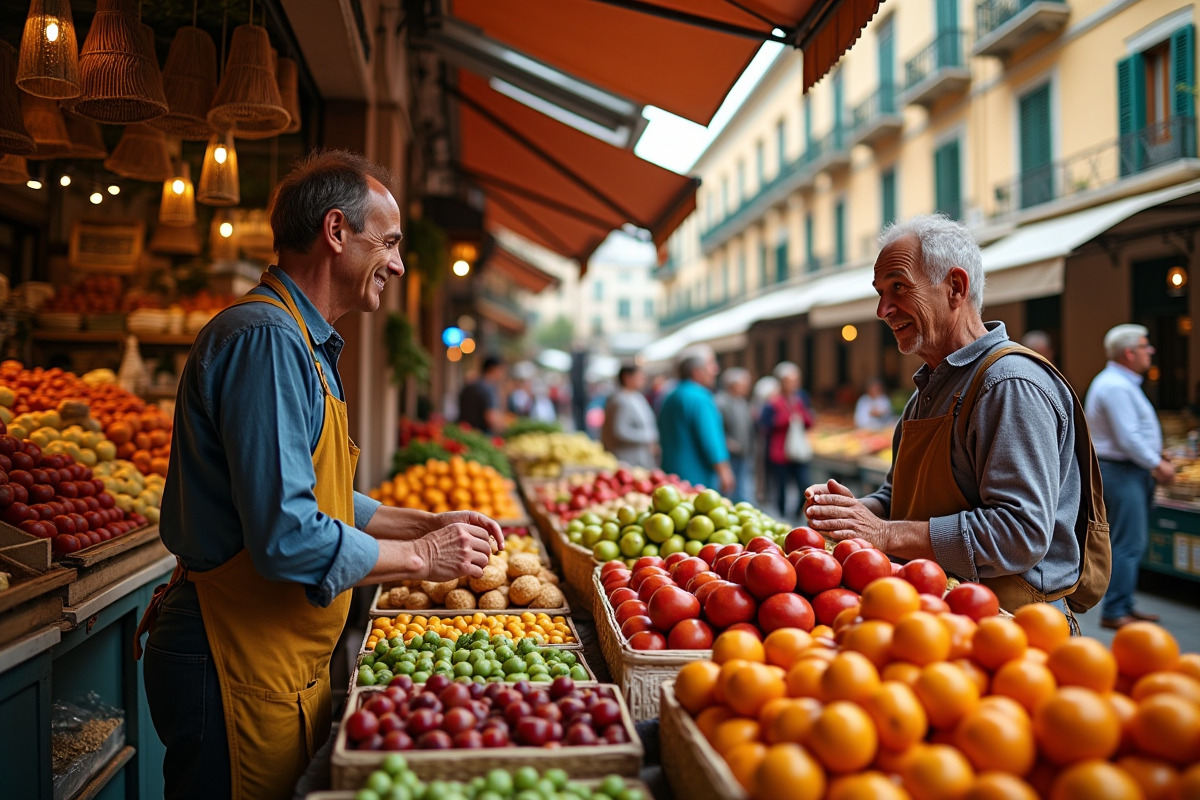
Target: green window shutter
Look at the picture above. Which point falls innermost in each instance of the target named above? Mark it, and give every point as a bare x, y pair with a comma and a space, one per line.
887, 191
1183, 71
887, 69
839, 103
762, 265
741, 281
947, 15
808, 134
948, 180
839, 232
1037, 176
1131, 110
781, 261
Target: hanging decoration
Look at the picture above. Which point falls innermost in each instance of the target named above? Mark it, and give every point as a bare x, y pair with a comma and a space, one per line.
87, 140
269, 128
14, 136
14, 170
118, 70
141, 154
223, 237
288, 77
189, 82
219, 173
49, 65
248, 94
178, 205
180, 240
44, 120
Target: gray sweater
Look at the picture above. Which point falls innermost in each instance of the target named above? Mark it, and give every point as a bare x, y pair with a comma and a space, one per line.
1017, 468
630, 428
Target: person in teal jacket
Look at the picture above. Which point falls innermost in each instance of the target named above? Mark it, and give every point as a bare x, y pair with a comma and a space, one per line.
690, 430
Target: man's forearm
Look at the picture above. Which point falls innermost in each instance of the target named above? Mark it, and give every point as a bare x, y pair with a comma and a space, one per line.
398, 561
907, 539
399, 524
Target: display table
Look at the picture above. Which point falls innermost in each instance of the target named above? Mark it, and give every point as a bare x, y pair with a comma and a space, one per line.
1174, 543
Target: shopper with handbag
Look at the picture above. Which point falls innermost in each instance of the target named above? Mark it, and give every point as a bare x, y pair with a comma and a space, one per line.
787, 420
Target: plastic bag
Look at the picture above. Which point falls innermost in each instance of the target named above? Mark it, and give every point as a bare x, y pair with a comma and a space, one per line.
83, 738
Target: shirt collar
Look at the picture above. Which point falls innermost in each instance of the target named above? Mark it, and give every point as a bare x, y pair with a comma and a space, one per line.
318, 327
996, 333
1126, 373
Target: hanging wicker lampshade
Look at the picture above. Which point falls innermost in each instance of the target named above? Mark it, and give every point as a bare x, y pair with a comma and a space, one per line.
265, 130
288, 77
141, 154
14, 170
118, 71
49, 64
183, 240
178, 205
248, 94
189, 82
219, 173
14, 136
87, 140
44, 120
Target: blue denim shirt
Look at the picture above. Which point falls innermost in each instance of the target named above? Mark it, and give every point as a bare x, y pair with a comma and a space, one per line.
248, 415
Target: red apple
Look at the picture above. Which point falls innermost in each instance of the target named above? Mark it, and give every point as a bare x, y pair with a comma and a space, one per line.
927, 576
728, 605
770, 574
863, 566
831, 602
785, 611
803, 537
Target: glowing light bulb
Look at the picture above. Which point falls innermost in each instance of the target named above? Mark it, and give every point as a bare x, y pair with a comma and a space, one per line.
52, 31
461, 268
220, 154
467, 346
1177, 279
177, 186
225, 229
96, 198
65, 180
453, 354
33, 183
849, 333
114, 190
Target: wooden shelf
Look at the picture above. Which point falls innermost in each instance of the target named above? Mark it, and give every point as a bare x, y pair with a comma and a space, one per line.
112, 337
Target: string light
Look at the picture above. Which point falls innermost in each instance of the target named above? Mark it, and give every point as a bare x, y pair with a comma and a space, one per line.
177, 186
849, 333
64, 181
96, 198
33, 183
454, 354
461, 268
220, 154
467, 346
114, 190
52, 30
225, 229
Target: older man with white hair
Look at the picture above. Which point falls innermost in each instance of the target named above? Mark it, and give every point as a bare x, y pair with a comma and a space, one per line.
986, 478
1129, 442
690, 431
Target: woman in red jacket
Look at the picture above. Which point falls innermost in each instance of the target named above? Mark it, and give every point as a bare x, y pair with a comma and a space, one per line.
787, 468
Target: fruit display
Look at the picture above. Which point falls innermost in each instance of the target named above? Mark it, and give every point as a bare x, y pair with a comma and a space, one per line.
443, 715
541, 627
421, 441
516, 577
906, 703
133, 491
452, 485
394, 779
852, 444
543, 455
602, 492
478, 657
681, 602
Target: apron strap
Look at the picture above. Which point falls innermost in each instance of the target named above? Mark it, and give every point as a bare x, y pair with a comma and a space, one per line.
287, 304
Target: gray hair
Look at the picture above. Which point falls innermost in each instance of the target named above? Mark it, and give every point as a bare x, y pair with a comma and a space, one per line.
734, 375
1121, 338
765, 388
320, 182
694, 357
945, 244
786, 369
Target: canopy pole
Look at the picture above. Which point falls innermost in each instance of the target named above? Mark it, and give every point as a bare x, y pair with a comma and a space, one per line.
702, 22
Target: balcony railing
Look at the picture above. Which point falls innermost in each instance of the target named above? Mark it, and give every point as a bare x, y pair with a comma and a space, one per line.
688, 313
876, 117
1091, 169
938, 69
1004, 25
830, 152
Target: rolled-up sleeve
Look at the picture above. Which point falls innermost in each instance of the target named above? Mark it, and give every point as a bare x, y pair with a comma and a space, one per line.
364, 508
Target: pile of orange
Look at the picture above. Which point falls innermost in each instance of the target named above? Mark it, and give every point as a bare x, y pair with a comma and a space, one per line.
143, 438
895, 702
452, 485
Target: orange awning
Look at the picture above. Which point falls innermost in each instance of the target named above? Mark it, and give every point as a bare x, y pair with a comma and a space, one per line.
556, 186
680, 55
518, 270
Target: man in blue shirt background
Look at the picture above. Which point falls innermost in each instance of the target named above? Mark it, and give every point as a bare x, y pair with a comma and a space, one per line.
690, 429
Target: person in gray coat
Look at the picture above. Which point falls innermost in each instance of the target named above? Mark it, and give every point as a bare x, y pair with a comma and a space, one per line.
734, 405
630, 430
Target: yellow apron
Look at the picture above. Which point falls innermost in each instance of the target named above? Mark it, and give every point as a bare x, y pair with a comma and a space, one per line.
271, 647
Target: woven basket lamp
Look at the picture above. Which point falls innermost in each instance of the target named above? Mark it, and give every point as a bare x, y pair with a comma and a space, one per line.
288, 77
118, 71
222, 239
14, 136
178, 205
189, 82
219, 173
49, 53
265, 130
87, 140
14, 170
44, 120
141, 154
248, 94
183, 240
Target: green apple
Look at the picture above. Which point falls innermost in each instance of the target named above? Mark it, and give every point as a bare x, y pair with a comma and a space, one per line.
590, 535
659, 528
606, 551
665, 498
692, 547
691, 509
591, 518
723, 536
720, 516
680, 517
575, 525
744, 506
575, 536
748, 532
106, 450
707, 500
610, 531
626, 515
642, 517
673, 545
631, 544
699, 528
650, 550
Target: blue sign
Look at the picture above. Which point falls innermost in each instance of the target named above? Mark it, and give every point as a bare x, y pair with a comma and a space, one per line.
453, 336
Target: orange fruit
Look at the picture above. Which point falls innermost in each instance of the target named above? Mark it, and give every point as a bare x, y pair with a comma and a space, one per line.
787, 770
865, 786
901, 671
1143, 647
1045, 626
937, 772
845, 618
695, 685
850, 676
1126, 709
720, 693
993, 739
750, 686
1080, 661
1167, 727
1175, 683
770, 710
743, 760
793, 721
1156, 778
843, 737
920, 638
872, 638
711, 717
891, 762
997, 640
1095, 780
738, 644
732, 732
889, 599
947, 692
1076, 724
1188, 787
783, 646
999, 786
804, 678
1027, 682
1189, 664
962, 631
975, 672
1005, 705
899, 717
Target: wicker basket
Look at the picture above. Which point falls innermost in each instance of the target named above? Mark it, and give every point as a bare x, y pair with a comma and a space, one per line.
639, 673
118, 68
693, 769
351, 767
189, 83
14, 136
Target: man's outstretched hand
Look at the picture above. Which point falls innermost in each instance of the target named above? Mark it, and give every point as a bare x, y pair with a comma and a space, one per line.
456, 550
472, 518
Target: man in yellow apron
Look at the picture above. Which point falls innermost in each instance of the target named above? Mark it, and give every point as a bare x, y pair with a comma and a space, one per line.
986, 479
259, 504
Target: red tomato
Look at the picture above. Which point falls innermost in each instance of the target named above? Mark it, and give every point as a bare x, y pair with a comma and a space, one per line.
770, 574
619, 596
829, 603
652, 585
863, 566
690, 634
803, 537
728, 605
630, 608
708, 587
648, 640
615, 579
635, 580
674, 557
688, 568
816, 571
974, 600
730, 550
635, 624
609, 566
845, 548
748, 627
785, 611
701, 579
927, 576
709, 552
723, 563
737, 571
647, 561
763, 544
933, 603
670, 605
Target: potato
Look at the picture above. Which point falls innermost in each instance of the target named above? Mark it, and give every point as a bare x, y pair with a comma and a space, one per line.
396, 597
524, 589
490, 579
546, 576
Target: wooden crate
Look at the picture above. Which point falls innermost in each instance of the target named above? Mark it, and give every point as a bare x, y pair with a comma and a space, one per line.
575, 645
639, 673
351, 767
110, 561
693, 769
32, 551
33, 599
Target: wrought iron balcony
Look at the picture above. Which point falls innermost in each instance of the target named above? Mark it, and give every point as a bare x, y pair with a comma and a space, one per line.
1004, 25
1153, 146
832, 151
687, 313
666, 270
939, 69
876, 118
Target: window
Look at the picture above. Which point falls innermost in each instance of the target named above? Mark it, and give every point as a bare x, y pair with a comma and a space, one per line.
781, 142
724, 279
839, 232
1037, 173
597, 291
624, 308
781, 260
885, 43
1156, 104
741, 181
597, 326
810, 252
741, 276
724, 197
762, 265
839, 105
648, 308
808, 134
760, 160
887, 191
947, 179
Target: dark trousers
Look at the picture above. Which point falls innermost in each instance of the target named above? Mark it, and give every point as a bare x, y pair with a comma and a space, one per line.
184, 695
784, 475
1127, 492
